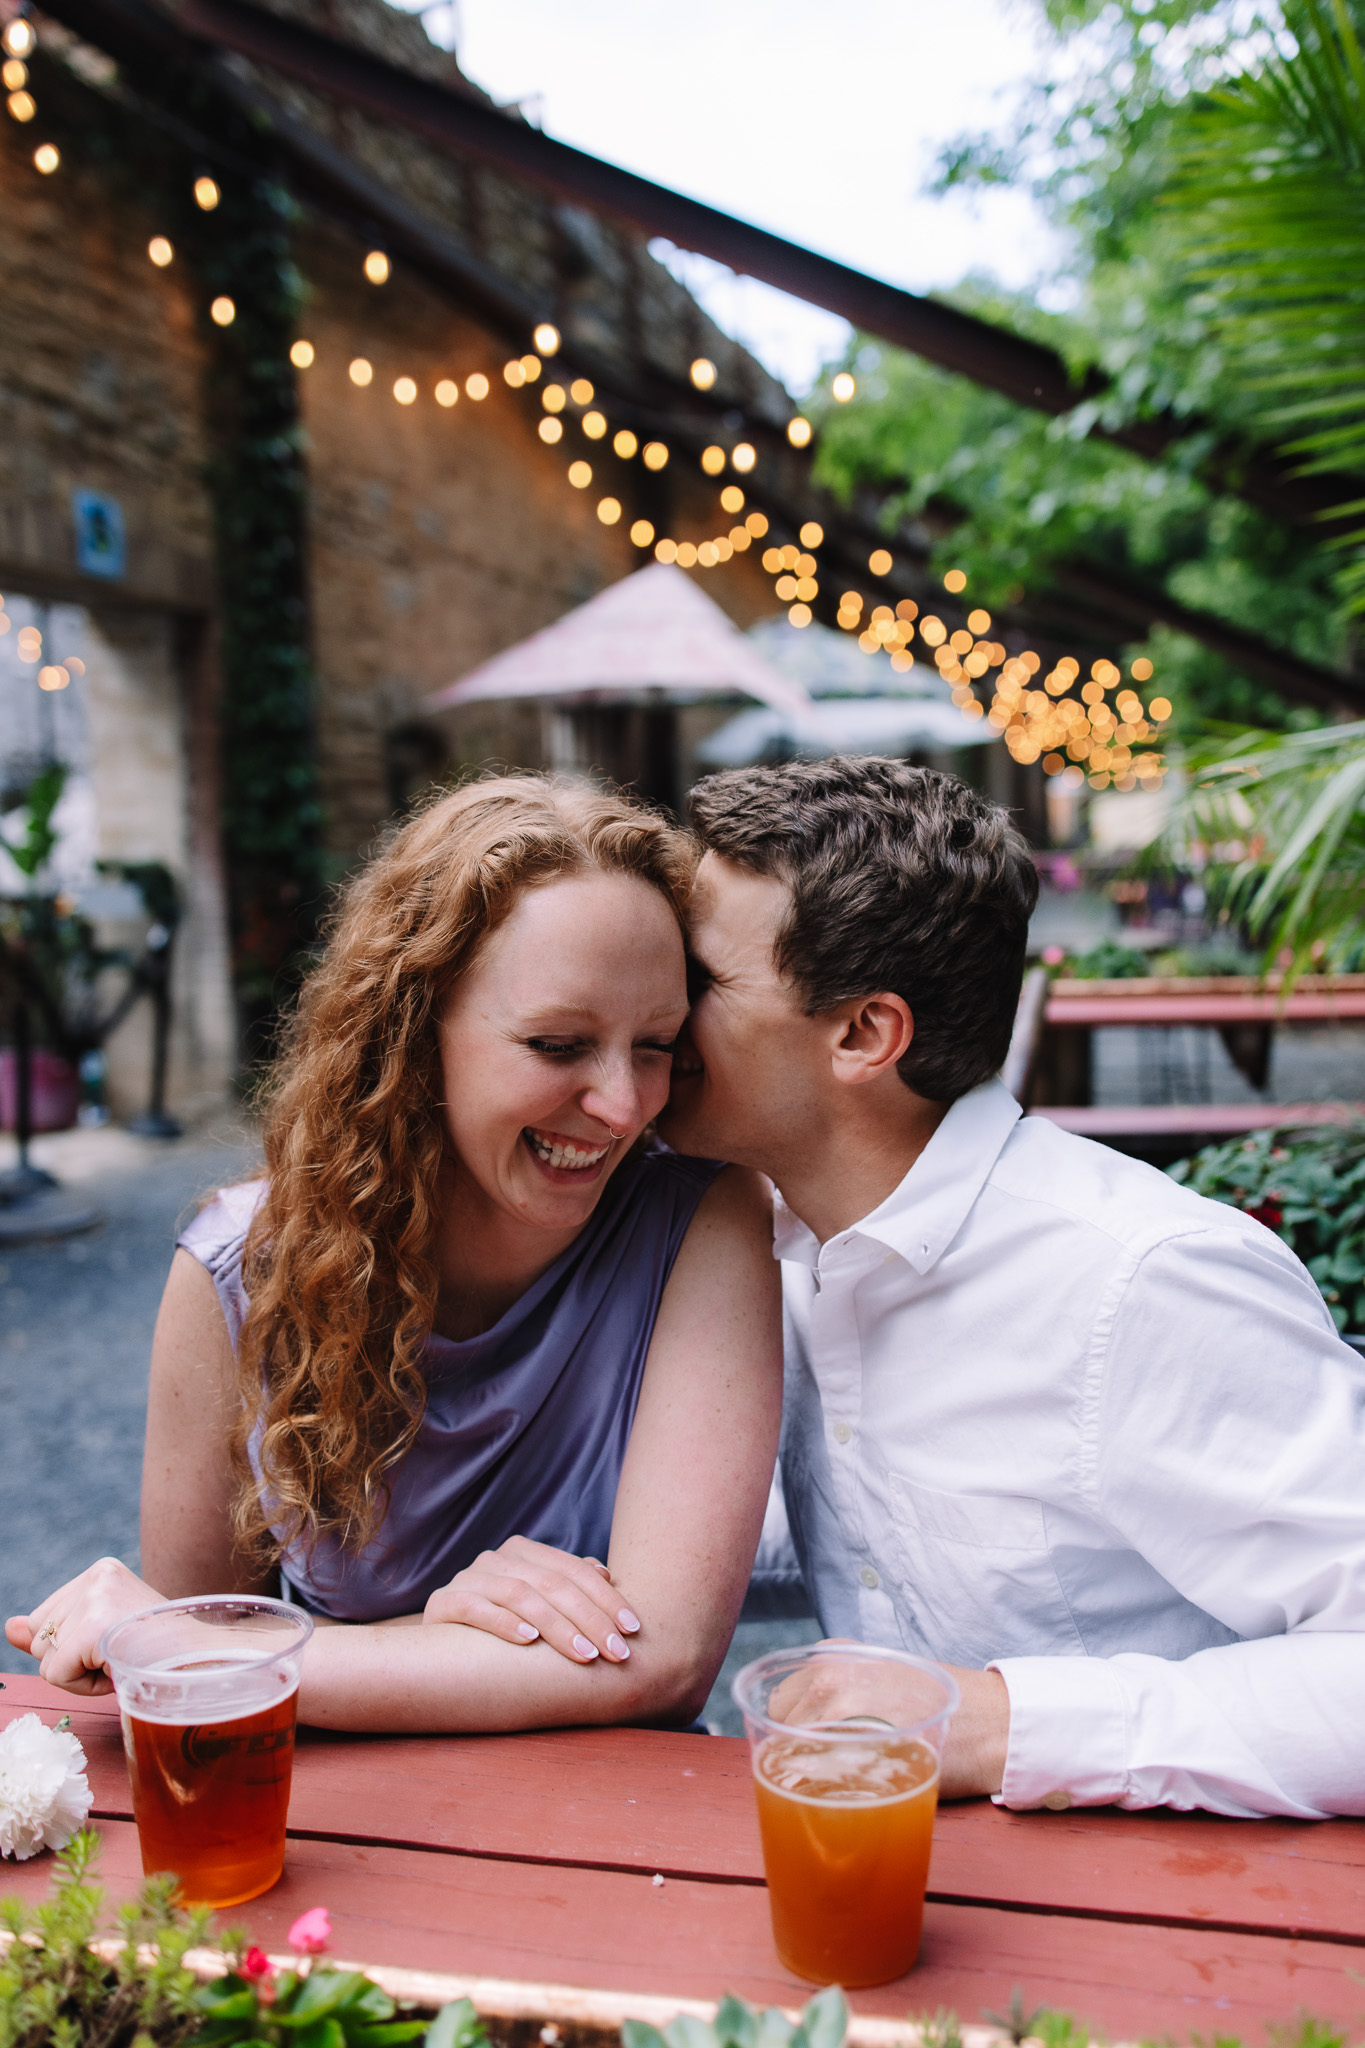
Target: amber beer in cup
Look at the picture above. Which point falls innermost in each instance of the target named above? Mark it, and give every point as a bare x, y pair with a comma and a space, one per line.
845, 1741
208, 1693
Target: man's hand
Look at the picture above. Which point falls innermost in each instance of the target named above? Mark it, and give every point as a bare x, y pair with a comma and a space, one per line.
978, 1735
525, 1592
64, 1629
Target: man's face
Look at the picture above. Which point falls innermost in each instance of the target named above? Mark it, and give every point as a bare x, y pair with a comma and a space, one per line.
748, 1068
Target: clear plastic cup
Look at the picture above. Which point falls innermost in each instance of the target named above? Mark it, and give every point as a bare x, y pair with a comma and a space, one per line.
208, 1696
846, 1741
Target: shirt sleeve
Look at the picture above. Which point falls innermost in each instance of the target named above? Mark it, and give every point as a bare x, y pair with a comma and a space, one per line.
1225, 1433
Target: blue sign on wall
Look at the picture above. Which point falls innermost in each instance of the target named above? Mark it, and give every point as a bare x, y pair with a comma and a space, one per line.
99, 533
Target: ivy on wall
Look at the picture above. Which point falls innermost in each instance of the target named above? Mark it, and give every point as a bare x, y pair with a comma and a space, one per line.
150, 138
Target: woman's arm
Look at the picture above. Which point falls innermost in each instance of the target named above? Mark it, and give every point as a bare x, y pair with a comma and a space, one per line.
688, 1513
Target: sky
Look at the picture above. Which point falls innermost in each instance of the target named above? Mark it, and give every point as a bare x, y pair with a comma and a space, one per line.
817, 119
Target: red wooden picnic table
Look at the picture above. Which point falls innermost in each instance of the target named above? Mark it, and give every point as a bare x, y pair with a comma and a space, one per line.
536, 1857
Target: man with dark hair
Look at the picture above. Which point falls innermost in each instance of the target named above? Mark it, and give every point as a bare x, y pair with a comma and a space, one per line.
1050, 1418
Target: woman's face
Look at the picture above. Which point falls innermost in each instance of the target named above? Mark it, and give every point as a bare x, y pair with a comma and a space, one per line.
555, 1045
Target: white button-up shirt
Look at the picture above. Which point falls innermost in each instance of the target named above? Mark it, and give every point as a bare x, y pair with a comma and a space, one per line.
1048, 1411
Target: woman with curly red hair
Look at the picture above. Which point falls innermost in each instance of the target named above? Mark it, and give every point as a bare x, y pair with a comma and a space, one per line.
486, 1381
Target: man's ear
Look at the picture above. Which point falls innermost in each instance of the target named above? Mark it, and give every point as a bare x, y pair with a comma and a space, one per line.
876, 1034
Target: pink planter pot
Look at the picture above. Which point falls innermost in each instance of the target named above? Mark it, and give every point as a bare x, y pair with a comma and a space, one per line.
54, 1091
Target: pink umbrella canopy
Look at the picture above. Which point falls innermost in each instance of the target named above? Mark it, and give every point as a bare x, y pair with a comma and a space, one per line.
654, 631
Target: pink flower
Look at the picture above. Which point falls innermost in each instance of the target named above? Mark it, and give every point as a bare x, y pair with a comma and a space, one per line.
1053, 956
256, 1966
311, 1933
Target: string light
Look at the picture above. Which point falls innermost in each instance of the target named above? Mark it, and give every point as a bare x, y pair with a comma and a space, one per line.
757, 523
740, 538
554, 398
703, 373
477, 386
405, 391
531, 367
666, 551
954, 581
361, 371
743, 457
580, 475
14, 74
46, 158
447, 392
22, 105
377, 267
843, 387
581, 392
979, 621
625, 444
222, 312
812, 534
550, 430
800, 615
546, 338
655, 455
879, 562
708, 554
799, 432
609, 511
160, 251
19, 38
1161, 709
301, 355
206, 194
642, 533
732, 498
514, 374
594, 425
53, 678
1141, 670
687, 555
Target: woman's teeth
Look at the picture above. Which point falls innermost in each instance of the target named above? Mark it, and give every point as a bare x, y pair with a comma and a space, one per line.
556, 1152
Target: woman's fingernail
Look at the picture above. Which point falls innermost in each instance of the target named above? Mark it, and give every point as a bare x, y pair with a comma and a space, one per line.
617, 1647
586, 1650
629, 1622
527, 1633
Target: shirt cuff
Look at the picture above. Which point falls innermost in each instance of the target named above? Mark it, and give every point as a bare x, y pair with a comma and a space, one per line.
1068, 1732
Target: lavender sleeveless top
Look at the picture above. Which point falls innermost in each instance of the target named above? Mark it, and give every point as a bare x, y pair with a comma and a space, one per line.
526, 1426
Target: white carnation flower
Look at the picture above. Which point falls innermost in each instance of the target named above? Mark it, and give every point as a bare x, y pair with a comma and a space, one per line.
44, 1796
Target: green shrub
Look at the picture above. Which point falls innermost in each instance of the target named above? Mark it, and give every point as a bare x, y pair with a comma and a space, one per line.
1309, 1187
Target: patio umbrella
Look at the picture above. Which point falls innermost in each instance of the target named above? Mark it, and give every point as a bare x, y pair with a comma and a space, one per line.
848, 725
652, 637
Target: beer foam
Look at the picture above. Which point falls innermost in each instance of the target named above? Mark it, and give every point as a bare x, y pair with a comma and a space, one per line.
846, 1772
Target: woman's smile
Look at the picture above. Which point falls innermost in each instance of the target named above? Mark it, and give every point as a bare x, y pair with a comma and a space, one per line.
569, 1161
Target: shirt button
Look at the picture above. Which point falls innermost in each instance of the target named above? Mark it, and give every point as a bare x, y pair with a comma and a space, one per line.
842, 1432
868, 1576
1057, 1802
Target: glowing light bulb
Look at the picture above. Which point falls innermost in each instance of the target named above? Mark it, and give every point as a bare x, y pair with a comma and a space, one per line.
447, 392
625, 443
743, 457
546, 338
757, 523
740, 539
531, 367
22, 105
687, 555
514, 375
732, 498
19, 38
301, 355
477, 386
222, 312
593, 425
550, 429
15, 74
609, 510
206, 194
580, 475
642, 533
703, 373
812, 534
799, 615
843, 387
708, 554
405, 390
879, 562
799, 432
655, 455
954, 581
979, 621
713, 460
554, 398
53, 678
666, 551
1141, 670
580, 391
360, 371
377, 267
1160, 709
160, 251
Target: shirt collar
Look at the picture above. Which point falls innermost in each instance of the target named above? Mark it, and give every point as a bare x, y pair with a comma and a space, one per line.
920, 1218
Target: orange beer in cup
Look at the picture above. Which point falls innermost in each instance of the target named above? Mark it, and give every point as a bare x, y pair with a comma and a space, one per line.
845, 1741
208, 1695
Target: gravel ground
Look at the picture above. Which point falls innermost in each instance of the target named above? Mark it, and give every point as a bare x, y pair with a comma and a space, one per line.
76, 1320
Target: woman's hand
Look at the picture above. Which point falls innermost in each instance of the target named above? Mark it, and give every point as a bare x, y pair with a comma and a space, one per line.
527, 1592
64, 1629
